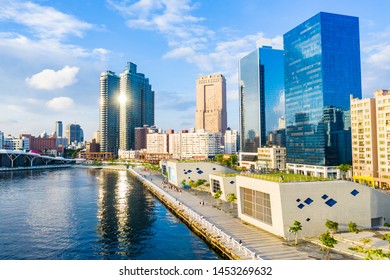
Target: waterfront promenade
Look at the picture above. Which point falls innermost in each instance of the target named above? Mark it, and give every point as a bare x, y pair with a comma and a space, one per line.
243, 240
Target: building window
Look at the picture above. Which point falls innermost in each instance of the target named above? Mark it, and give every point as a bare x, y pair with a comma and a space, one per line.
257, 205
216, 185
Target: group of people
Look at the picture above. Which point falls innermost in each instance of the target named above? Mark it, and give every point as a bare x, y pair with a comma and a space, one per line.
168, 185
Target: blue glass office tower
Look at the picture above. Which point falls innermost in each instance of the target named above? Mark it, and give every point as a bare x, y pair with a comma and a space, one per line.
261, 96
322, 68
136, 105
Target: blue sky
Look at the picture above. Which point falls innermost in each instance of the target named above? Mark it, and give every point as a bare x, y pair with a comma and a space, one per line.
52, 52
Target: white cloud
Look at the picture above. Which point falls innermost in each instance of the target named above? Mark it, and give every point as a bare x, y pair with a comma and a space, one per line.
376, 62
180, 52
380, 58
43, 21
50, 79
60, 103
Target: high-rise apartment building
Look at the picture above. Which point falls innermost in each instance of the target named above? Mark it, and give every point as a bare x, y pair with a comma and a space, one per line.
261, 93
59, 129
322, 68
211, 103
382, 101
136, 105
364, 140
74, 133
370, 118
109, 112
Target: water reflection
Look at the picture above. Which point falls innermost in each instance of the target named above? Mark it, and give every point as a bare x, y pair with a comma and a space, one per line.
125, 216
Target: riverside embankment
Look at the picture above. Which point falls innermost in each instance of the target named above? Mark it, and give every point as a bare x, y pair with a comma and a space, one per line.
232, 238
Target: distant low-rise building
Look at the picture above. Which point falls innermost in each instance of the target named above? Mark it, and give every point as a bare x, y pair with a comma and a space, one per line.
92, 146
231, 141
1, 140
272, 158
13, 143
132, 154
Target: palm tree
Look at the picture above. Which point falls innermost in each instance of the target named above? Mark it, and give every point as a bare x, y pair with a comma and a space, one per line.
328, 241
297, 226
231, 198
217, 195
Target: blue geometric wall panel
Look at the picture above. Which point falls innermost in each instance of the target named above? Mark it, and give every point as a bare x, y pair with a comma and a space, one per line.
308, 200
232, 182
354, 192
189, 171
197, 168
298, 200
331, 202
200, 172
300, 206
214, 168
308, 220
324, 197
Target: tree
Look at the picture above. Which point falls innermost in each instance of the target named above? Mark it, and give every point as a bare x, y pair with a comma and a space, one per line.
297, 226
218, 158
352, 227
333, 226
328, 242
386, 237
231, 198
217, 195
344, 168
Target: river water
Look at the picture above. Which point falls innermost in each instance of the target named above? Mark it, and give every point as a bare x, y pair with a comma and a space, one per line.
87, 214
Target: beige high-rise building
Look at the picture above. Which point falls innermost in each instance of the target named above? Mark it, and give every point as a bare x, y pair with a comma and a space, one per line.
370, 122
364, 140
211, 103
382, 100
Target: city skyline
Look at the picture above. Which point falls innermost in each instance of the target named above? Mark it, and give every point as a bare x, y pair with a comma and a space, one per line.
54, 52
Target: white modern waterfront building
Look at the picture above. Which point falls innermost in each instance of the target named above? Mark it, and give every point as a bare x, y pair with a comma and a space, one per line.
274, 206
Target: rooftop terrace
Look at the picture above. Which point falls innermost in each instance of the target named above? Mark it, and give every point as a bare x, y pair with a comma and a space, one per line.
278, 177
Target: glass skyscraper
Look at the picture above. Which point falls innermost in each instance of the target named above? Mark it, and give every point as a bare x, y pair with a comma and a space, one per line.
322, 69
109, 112
261, 96
136, 105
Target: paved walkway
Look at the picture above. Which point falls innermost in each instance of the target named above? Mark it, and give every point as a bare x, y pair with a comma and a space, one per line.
266, 245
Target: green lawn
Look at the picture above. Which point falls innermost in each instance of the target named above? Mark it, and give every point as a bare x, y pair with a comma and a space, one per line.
276, 177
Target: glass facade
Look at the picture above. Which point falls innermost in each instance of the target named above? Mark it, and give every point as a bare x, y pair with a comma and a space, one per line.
261, 96
109, 112
322, 68
137, 106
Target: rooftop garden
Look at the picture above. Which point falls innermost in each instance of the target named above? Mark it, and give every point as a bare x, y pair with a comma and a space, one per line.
285, 177
277, 177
